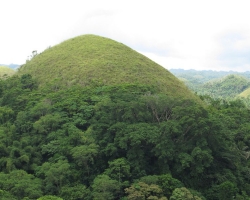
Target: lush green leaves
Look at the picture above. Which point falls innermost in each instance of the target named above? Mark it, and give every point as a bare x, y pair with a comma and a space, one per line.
123, 141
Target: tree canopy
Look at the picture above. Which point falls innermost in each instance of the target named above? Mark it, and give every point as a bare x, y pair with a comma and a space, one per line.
127, 141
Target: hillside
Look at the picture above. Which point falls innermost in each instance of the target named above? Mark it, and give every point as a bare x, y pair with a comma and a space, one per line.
217, 84
12, 66
6, 71
226, 87
202, 76
93, 60
245, 93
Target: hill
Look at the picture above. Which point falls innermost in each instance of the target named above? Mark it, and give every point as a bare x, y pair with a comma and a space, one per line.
6, 71
93, 60
12, 66
245, 93
202, 76
218, 84
226, 87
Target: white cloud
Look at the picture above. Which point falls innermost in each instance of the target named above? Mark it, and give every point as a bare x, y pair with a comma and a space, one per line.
176, 34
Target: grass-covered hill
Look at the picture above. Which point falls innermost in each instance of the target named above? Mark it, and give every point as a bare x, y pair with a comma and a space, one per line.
218, 84
12, 66
226, 87
93, 60
195, 77
6, 71
245, 93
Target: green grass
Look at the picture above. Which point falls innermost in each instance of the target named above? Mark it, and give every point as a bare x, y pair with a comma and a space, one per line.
245, 93
88, 60
6, 72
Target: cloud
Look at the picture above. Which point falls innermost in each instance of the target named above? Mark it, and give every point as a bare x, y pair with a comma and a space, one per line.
176, 34
235, 50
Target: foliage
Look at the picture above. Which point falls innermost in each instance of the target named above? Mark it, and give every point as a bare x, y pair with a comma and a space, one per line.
20, 184
144, 191
105, 188
124, 141
78, 191
183, 193
49, 197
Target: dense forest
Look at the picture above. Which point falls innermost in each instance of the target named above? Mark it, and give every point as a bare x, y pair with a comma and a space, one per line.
119, 141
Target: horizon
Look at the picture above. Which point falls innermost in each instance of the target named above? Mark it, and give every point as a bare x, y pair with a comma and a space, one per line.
7, 65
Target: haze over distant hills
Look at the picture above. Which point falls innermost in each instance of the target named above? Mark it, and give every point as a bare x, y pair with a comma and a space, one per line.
6, 72
203, 76
12, 66
217, 84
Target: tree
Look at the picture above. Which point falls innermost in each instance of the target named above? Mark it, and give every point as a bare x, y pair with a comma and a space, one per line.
84, 155
224, 191
168, 184
78, 191
119, 169
5, 195
105, 188
55, 175
183, 193
49, 197
6, 114
142, 191
20, 184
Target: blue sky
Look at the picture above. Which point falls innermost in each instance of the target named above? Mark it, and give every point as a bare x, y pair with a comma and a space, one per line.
183, 34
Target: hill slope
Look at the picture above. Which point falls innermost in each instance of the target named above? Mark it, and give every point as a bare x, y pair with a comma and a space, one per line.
89, 60
12, 66
245, 93
214, 83
6, 71
229, 86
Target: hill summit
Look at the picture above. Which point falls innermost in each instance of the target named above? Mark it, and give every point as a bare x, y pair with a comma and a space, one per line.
91, 59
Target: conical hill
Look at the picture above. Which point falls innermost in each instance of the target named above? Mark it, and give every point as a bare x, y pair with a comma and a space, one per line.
91, 59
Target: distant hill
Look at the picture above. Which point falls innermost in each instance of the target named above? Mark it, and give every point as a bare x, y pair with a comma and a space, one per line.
12, 66
6, 72
245, 93
203, 76
226, 87
93, 60
218, 84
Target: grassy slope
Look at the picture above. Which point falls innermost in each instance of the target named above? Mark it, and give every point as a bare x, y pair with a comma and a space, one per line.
245, 93
87, 59
6, 71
